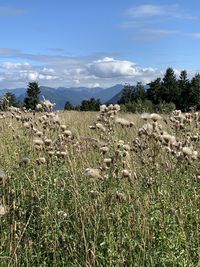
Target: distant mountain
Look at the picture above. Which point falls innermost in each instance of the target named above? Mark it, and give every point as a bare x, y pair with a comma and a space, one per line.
109, 93
75, 95
16, 91
116, 98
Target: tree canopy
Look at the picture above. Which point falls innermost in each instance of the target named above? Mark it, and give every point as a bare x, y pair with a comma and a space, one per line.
32, 98
163, 93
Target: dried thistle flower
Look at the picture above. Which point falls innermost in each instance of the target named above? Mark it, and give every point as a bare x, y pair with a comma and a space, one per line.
2, 177
104, 149
24, 161
145, 116
39, 133
187, 151
63, 127
125, 173
93, 173
94, 193
67, 133
100, 126
3, 209
38, 142
47, 142
41, 160
155, 117
107, 161
27, 125
123, 122
120, 196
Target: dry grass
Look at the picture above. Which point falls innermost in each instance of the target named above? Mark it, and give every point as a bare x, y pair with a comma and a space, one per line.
77, 190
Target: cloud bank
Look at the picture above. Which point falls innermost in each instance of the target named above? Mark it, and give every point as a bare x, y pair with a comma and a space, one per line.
60, 70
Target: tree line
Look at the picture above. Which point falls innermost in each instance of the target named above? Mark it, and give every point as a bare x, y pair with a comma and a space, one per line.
160, 95
163, 94
30, 101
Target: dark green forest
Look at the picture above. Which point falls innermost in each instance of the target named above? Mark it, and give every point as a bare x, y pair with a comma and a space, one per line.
163, 94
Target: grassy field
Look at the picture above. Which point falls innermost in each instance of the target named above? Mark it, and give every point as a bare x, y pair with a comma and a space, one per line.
99, 189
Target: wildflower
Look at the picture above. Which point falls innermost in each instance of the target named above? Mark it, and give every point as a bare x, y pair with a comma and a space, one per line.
126, 147
198, 178
24, 161
41, 160
145, 116
26, 125
2, 209
169, 138
63, 153
107, 161
94, 193
101, 127
187, 151
120, 196
195, 155
2, 177
67, 133
62, 214
39, 133
104, 149
123, 122
92, 127
155, 117
102, 108
18, 118
47, 142
146, 129
93, 173
51, 153
126, 173
63, 127
116, 107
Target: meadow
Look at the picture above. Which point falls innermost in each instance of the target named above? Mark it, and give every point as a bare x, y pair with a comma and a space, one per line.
99, 189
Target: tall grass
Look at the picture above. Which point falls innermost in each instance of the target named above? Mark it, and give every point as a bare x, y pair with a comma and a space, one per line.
53, 214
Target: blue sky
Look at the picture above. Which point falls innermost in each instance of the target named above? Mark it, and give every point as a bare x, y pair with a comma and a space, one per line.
96, 43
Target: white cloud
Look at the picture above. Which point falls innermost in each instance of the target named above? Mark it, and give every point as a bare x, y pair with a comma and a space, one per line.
160, 31
144, 11
11, 65
144, 20
109, 68
92, 71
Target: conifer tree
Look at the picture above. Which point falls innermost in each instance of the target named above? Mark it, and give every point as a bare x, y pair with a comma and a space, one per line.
32, 99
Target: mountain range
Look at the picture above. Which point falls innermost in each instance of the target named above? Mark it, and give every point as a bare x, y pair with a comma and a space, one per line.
75, 95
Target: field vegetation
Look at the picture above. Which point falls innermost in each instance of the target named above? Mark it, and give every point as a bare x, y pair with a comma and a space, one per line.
99, 188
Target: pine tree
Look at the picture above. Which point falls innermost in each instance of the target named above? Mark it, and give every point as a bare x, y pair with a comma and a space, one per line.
194, 94
184, 87
154, 93
170, 88
68, 106
126, 96
138, 92
32, 98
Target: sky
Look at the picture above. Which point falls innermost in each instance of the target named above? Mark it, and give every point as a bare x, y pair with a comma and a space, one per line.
93, 43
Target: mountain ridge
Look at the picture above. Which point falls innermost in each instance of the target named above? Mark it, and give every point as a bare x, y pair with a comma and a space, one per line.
75, 95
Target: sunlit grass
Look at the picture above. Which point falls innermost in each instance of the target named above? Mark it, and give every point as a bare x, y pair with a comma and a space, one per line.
119, 196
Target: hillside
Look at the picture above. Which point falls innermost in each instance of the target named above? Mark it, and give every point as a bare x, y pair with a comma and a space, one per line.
74, 95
